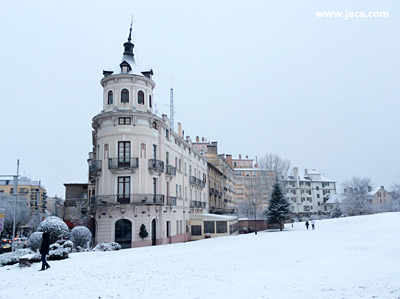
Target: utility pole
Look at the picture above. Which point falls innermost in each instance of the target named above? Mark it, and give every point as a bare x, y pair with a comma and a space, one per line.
15, 194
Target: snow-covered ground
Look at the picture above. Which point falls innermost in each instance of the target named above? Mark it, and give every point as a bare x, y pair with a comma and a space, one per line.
354, 257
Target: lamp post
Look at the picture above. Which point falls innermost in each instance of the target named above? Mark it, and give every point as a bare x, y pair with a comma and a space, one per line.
255, 215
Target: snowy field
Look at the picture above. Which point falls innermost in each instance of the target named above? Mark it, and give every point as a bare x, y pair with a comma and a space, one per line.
355, 257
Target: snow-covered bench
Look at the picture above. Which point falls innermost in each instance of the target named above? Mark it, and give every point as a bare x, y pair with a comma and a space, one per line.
26, 260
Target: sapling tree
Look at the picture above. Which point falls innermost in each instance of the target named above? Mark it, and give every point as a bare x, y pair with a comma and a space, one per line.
143, 232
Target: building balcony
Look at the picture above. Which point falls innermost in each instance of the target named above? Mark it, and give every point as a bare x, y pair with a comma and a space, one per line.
171, 201
156, 166
126, 199
94, 169
201, 183
197, 204
170, 170
122, 164
212, 191
193, 180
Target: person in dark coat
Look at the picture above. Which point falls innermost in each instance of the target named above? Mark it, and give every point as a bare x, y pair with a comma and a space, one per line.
307, 224
44, 250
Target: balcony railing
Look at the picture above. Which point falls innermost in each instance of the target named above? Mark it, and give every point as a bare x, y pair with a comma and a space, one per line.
156, 165
193, 180
95, 166
170, 170
197, 204
212, 191
197, 182
171, 201
123, 163
134, 199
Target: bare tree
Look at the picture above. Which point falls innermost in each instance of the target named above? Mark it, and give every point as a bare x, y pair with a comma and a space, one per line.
395, 205
7, 202
273, 169
356, 200
79, 213
246, 208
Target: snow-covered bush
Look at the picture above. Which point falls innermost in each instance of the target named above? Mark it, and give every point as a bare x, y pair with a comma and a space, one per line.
54, 246
107, 247
81, 236
12, 258
68, 245
58, 253
55, 226
34, 241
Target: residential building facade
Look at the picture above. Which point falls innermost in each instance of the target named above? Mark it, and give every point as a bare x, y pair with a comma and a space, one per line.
308, 193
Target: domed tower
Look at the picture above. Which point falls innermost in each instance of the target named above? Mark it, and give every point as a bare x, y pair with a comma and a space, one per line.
136, 167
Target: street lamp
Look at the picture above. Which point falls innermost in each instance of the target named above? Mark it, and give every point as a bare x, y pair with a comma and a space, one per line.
255, 215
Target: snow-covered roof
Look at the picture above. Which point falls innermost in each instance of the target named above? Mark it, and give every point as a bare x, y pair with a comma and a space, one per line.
211, 217
334, 198
307, 178
373, 191
132, 63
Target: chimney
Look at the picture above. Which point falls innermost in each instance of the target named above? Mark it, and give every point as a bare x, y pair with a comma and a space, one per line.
369, 188
183, 134
306, 171
382, 187
197, 138
229, 159
247, 157
202, 139
180, 129
240, 156
164, 116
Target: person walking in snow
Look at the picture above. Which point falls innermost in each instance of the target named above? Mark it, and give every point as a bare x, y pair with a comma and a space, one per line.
307, 224
313, 224
44, 250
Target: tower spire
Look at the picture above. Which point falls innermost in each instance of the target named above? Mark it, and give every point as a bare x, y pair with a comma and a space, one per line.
128, 45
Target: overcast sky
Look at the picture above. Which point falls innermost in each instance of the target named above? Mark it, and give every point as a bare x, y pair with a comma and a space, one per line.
257, 76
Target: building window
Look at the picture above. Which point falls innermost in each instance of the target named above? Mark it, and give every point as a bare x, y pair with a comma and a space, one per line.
221, 227
196, 230
124, 96
140, 97
124, 184
150, 101
124, 121
110, 98
209, 227
124, 150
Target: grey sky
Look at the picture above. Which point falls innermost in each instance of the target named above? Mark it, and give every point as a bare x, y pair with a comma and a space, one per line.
257, 76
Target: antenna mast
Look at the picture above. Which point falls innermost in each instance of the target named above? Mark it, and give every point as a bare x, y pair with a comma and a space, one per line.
171, 107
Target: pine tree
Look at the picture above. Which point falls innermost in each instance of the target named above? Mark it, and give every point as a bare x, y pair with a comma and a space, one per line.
278, 208
143, 232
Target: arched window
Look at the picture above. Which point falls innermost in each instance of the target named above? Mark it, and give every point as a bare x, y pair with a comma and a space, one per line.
150, 101
123, 233
140, 95
124, 96
110, 98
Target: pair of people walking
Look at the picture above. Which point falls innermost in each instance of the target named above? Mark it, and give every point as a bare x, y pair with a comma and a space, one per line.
312, 224
44, 250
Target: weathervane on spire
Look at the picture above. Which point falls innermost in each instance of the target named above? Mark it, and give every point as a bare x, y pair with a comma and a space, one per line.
130, 30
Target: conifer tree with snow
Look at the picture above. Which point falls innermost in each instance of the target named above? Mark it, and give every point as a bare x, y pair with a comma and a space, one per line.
278, 208
143, 232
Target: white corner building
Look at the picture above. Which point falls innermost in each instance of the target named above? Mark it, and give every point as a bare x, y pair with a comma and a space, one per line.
140, 171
